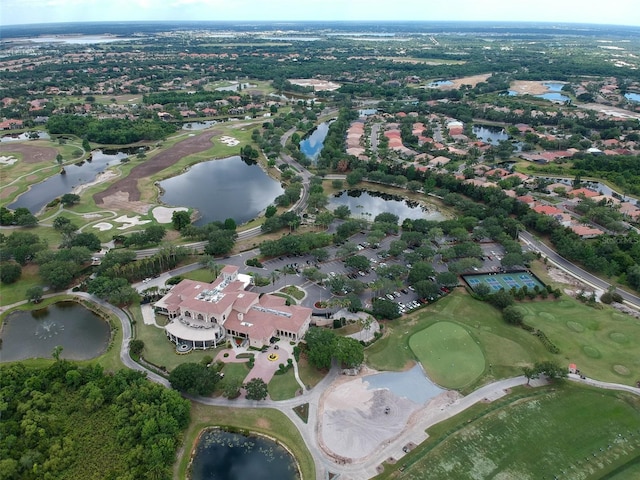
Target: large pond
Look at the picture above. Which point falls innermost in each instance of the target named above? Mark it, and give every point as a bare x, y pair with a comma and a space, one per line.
489, 134
367, 204
21, 137
221, 189
34, 334
233, 456
57, 185
312, 144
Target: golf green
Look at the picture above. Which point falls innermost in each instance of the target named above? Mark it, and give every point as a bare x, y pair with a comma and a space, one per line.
448, 354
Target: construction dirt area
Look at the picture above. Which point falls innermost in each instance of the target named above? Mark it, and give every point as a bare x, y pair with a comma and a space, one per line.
124, 193
528, 87
30, 153
358, 415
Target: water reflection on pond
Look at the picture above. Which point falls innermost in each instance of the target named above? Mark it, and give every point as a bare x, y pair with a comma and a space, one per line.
489, 134
233, 456
34, 334
368, 204
221, 189
312, 145
57, 185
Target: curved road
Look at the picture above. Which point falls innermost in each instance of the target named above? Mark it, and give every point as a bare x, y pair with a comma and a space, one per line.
574, 270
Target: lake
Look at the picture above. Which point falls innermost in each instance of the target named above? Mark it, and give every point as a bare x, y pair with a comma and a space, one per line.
634, 97
34, 334
199, 125
369, 204
312, 144
57, 185
489, 134
439, 83
554, 97
221, 189
233, 456
23, 136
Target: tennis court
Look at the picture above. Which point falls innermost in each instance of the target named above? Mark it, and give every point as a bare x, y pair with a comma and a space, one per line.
498, 281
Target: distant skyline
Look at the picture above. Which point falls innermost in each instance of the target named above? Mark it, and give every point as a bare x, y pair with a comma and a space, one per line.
614, 12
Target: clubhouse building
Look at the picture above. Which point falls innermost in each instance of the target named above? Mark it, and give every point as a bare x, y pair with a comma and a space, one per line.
203, 315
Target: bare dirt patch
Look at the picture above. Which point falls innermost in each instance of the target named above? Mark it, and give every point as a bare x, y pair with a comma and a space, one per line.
263, 423
473, 80
30, 153
8, 191
125, 191
529, 87
318, 85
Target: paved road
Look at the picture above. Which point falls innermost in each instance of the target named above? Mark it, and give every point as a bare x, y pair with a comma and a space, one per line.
576, 271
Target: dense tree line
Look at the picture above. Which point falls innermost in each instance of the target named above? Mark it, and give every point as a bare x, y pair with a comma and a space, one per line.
323, 345
68, 421
109, 131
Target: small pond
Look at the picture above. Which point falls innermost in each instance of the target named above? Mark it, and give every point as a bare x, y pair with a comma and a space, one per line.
198, 125
369, 204
23, 136
312, 144
489, 134
365, 112
554, 86
233, 456
554, 97
439, 83
57, 185
634, 97
221, 189
412, 384
234, 87
34, 334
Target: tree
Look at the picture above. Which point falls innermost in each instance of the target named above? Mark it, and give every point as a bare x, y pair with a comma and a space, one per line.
427, 289
447, 279
482, 290
529, 373
550, 369
359, 262
180, 219
513, 315
342, 212
319, 347
384, 309
256, 389
270, 211
69, 199
34, 294
231, 387
136, 347
10, 272
194, 379
348, 351
501, 299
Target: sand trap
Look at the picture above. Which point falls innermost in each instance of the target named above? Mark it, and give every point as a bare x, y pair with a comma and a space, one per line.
130, 221
100, 178
91, 215
103, 226
163, 214
229, 141
7, 160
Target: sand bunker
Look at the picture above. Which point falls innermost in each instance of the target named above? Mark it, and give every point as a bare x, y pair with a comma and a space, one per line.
130, 221
103, 226
7, 160
229, 141
163, 214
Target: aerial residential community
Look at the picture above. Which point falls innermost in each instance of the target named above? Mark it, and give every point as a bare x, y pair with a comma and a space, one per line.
319, 249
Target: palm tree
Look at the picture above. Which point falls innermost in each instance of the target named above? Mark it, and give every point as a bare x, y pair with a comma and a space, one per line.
274, 276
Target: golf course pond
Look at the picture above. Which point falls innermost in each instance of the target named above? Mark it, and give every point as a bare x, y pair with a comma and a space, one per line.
234, 456
81, 333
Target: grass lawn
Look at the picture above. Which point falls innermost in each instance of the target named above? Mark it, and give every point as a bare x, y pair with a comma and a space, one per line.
565, 431
232, 371
293, 291
282, 387
200, 275
159, 350
449, 354
261, 420
309, 375
17, 291
506, 348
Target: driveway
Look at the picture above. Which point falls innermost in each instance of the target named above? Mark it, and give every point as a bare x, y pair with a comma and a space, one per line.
265, 368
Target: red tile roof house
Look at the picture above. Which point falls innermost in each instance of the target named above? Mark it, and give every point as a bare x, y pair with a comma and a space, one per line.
203, 315
585, 231
585, 192
547, 210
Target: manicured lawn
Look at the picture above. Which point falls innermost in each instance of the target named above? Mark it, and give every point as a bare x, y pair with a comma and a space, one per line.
282, 387
449, 354
159, 350
261, 420
505, 348
200, 275
17, 291
565, 431
293, 291
232, 371
309, 375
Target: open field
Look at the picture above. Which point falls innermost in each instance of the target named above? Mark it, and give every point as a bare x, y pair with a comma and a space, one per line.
261, 420
449, 354
601, 342
561, 431
282, 387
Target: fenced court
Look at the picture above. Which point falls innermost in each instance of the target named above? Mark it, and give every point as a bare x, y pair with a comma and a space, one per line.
498, 281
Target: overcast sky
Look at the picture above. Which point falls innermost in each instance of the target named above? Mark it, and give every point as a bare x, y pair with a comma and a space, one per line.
618, 12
